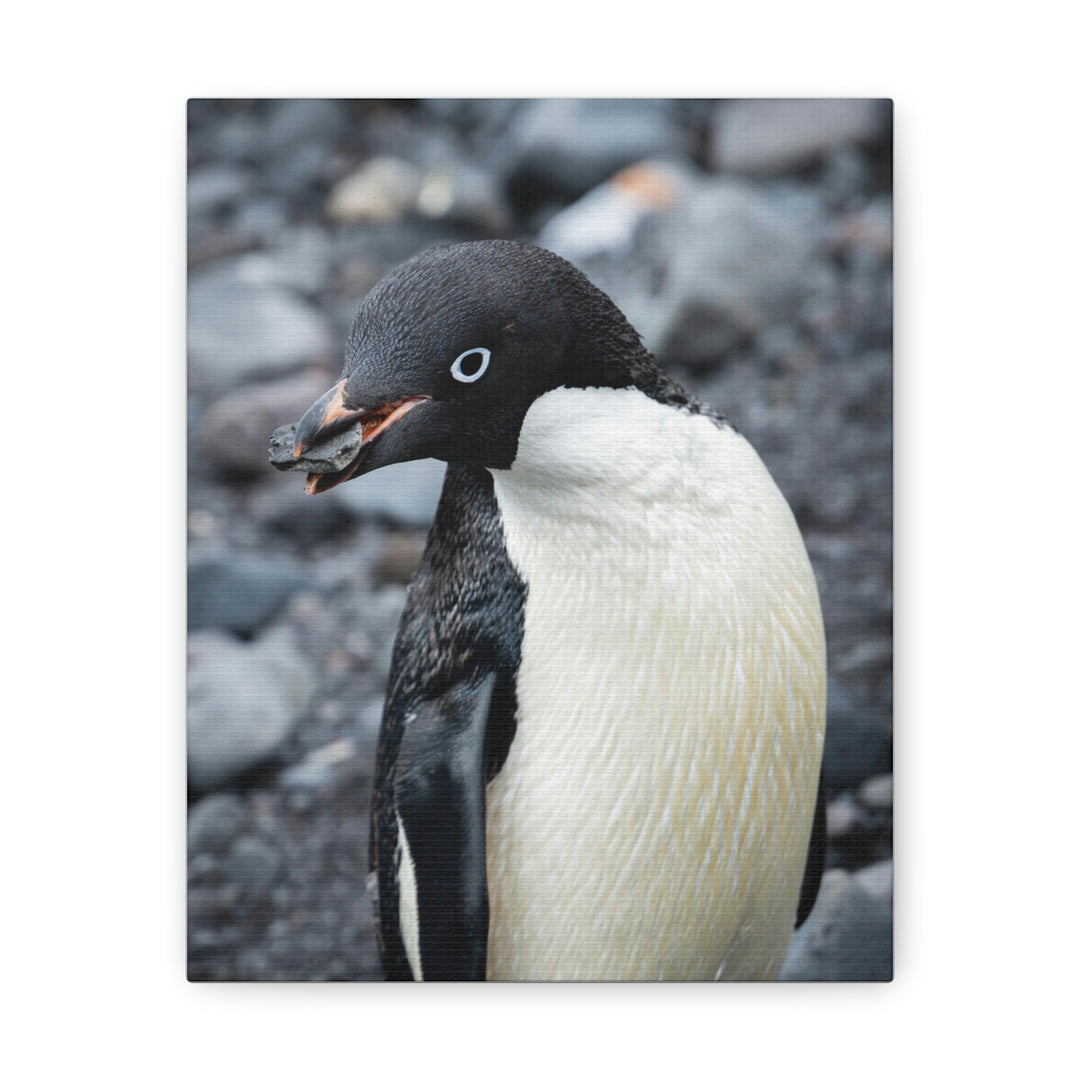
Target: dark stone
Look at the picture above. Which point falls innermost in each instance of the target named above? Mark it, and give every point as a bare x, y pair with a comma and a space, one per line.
237, 138
848, 937
604, 224
303, 120
214, 821
403, 494
755, 269
877, 793
240, 591
260, 220
253, 865
327, 456
214, 187
322, 768
858, 740
243, 702
562, 147
455, 190
770, 135
303, 173
232, 432
240, 328
281, 507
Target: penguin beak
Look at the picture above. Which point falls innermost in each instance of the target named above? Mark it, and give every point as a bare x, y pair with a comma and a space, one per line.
330, 416
326, 417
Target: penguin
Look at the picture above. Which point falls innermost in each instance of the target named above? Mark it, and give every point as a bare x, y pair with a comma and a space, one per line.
600, 752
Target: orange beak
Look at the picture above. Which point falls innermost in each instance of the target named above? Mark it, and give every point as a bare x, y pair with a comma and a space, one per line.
326, 417
329, 416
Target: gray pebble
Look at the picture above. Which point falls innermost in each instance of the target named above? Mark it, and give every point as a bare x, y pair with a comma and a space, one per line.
253, 864
848, 937
232, 431
320, 769
243, 701
294, 120
214, 821
240, 590
768, 135
568, 145
877, 793
756, 269
403, 494
327, 456
215, 186
239, 329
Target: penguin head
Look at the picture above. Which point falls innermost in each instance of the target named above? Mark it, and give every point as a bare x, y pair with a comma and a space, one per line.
449, 350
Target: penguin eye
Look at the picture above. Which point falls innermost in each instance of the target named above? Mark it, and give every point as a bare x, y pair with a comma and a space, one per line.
470, 365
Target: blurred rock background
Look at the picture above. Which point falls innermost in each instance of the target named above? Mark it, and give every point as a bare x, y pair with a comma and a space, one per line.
751, 244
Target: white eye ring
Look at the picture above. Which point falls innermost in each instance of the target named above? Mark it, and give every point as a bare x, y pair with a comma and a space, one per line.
455, 368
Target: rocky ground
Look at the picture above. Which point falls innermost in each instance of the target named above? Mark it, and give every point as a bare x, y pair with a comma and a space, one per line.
751, 244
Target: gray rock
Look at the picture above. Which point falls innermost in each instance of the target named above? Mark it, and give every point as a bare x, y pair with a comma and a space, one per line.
253, 865
300, 258
874, 654
604, 221
215, 186
207, 243
240, 327
240, 591
295, 120
382, 189
404, 494
455, 190
848, 937
877, 793
370, 718
737, 261
243, 701
841, 817
329, 455
846, 177
565, 146
238, 137
877, 879
298, 171
858, 738
865, 236
769, 135
381, 246
281, 506
214, 821
260, 220
321, 768
233, 431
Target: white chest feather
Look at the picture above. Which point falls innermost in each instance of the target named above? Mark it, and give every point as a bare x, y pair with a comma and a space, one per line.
652, 817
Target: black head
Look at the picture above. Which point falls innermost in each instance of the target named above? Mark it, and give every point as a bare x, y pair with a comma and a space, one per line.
450, 349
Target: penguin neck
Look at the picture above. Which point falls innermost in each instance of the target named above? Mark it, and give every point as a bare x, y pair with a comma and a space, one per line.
591, 451
615, 358
603, 350
613, 481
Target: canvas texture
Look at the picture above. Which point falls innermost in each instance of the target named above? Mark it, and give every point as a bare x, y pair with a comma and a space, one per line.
749, 244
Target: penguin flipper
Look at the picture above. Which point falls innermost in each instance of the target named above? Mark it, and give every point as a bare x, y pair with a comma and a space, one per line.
439, 799
815, 861
446, 730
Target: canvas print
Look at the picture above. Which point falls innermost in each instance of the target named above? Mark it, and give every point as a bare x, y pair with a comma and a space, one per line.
540, 540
